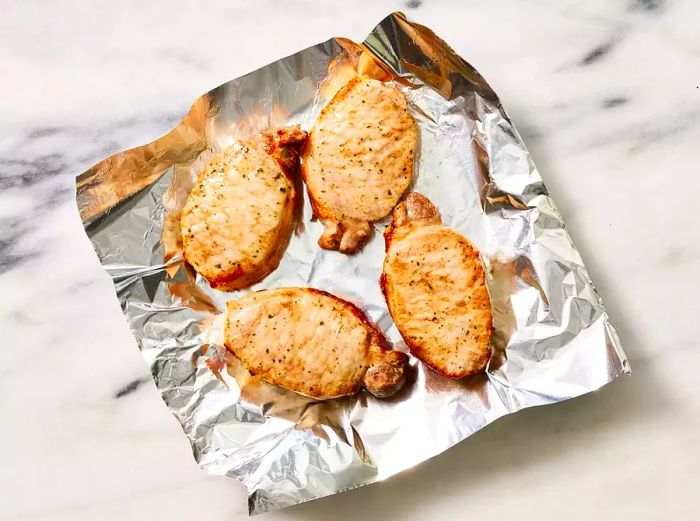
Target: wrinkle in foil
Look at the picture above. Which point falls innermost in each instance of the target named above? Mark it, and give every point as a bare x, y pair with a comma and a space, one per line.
552, 339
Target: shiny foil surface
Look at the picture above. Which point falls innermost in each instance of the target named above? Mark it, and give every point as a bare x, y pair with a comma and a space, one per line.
552, 339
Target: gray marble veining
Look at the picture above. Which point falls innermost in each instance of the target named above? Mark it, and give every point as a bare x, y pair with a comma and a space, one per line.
607, 97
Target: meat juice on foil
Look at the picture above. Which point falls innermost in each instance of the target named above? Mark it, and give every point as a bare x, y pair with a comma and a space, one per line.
552, 338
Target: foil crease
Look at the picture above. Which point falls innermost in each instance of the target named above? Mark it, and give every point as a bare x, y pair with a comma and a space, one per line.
552, 340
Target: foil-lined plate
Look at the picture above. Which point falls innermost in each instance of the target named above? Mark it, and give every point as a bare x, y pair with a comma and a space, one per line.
552, 339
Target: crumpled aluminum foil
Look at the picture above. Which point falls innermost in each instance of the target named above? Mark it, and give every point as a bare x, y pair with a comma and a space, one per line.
552, 338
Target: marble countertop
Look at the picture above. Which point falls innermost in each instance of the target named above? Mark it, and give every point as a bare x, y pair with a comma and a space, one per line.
607, 97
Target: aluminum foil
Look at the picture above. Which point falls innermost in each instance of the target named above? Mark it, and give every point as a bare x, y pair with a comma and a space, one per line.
552, 339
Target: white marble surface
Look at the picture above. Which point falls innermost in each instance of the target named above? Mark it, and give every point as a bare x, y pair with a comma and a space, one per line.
607, 96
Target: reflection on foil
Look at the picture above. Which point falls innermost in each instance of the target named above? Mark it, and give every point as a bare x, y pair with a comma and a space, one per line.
552, 337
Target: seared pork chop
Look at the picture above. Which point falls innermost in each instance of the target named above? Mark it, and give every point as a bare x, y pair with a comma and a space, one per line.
358, 160
435, 288
238, 219
312, 343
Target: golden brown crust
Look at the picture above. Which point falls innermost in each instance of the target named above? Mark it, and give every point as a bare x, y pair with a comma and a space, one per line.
434, 285
386, 372
311, 342
239, 216
284, 145
347, 237
358, 161
415, 209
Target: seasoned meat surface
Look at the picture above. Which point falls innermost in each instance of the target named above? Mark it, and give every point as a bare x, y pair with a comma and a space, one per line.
312, 343
435, 288
358, 160
238, 219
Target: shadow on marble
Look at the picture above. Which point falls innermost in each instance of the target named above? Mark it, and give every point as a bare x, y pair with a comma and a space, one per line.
516, 444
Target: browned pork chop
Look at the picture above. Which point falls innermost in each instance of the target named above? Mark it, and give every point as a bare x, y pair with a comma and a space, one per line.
312, 343
358, 160
435, 288
238, 219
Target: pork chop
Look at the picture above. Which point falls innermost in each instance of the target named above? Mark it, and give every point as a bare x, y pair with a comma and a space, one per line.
238, 219
312, 343
435, 289
358, 160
